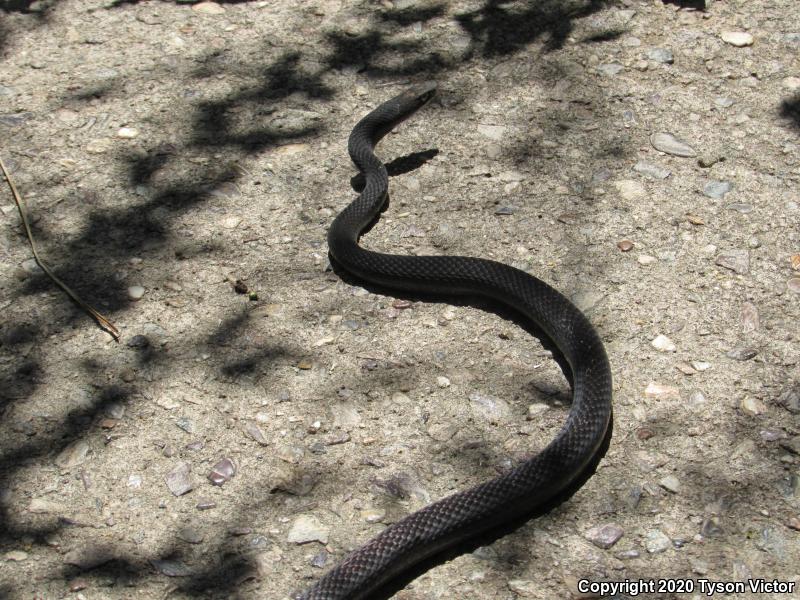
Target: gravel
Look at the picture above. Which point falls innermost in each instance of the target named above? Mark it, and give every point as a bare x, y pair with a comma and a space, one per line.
635, 155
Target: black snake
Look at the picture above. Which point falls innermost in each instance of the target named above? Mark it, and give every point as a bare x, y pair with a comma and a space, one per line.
532, 484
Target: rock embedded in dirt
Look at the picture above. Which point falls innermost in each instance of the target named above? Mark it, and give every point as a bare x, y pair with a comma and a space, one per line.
656, 541
737, 260
307, 528
717, 189
604, 536
739, 39
669, 144
222, 472
179, 480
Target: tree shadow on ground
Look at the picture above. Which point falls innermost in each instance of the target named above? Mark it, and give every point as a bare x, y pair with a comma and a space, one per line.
26, 6
77, 425
112, 236
692, 4
790, 110
119, 3
497, 29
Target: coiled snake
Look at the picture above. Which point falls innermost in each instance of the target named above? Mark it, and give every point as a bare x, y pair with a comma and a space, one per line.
533, 483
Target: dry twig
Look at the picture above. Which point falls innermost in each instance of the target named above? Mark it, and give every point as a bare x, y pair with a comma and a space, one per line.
101, 320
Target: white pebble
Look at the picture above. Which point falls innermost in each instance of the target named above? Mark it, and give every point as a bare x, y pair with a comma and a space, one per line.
657, 390
135, 292
663, 343
737, 38
442, 381
233, 223
753, 407
127, 132
792, 83
307, 528
670, 483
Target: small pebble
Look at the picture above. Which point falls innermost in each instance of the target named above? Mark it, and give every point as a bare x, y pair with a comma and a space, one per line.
171, 568
646, 259
736, 260
73, 455
656, 541
524, 588
345, 415
697, 398
625, 245
208, 8
31, 267
686, 368
630, 189
793, 285
661, 55
790, 398
753, 407
78, 584
493, 132
190, 535
651, 170
748, 316
663, 343
222, 472
658, 391
771, 436
15, 556
669, 144
442, 381
741, 207
320, 559
127, 132
717, 189
742, 354
307, 528
185, 423
294, 480
604, 536
537, 410
178, 480
255, 432
373, 515
709, 158
89, 556
135, 292
489, 408
610, 69
670, 483
737, 38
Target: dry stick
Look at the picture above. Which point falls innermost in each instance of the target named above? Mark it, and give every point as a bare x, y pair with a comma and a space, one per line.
101, 320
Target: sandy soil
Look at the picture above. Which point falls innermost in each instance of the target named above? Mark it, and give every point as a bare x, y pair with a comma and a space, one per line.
181, 148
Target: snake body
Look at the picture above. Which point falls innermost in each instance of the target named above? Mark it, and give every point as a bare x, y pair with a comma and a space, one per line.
533, 483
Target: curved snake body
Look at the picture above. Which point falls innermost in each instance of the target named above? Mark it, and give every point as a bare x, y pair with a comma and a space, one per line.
533, 483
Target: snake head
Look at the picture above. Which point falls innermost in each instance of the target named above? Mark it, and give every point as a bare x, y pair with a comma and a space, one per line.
418, 95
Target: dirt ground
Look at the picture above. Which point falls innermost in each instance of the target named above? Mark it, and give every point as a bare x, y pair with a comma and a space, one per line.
181, 163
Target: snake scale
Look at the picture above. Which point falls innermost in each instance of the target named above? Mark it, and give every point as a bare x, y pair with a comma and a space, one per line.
532, 484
